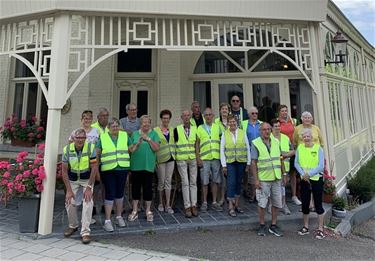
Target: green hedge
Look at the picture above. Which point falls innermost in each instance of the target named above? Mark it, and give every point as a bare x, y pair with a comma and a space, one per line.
362, 185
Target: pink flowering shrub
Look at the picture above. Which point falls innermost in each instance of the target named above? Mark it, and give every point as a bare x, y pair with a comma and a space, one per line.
14, 128
329, 185
21, 177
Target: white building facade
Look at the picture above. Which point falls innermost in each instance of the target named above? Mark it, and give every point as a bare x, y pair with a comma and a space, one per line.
165, 54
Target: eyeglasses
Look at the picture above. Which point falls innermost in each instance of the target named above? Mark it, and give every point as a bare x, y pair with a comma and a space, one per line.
235, 100
254, 113
80, 138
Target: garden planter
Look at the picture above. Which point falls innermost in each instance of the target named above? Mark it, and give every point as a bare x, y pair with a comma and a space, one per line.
327, 198
22, 143
28, 211
338, 213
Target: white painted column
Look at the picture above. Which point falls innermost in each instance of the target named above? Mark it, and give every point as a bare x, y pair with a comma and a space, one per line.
315, 64
57, 93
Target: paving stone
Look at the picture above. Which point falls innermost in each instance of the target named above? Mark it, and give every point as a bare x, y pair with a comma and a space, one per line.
136, 257
9, 242
92, 258
158, 254
10, 253
28, 257
37, 248
48, 259
54, 252
79, 247
47, 241
100, 250
155, 258
64, 243
115, 254
176, 258
70, 256
21, 245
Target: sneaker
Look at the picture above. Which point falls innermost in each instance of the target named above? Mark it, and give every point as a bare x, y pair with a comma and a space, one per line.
169, 210
69, 231
275, 230
296, 201
286, 210
217, 207
303, 231
262, 230
319, 234
204, 207
86, 239
108, 226
93, 221
161, 208
188, 213
120, 221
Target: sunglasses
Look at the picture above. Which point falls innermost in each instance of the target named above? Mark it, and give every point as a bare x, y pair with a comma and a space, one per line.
235, 100
80, 138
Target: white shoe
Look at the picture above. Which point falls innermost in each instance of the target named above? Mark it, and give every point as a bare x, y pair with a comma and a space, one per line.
161, 208
296, 201
120, 222
108, 226
286, 210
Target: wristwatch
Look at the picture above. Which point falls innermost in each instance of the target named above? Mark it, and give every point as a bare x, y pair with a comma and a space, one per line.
148, 139
285, 174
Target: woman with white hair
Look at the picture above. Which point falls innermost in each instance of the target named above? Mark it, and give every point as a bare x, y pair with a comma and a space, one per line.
307, 120
309, 163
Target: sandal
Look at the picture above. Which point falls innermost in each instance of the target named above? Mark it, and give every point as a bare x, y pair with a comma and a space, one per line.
232, 213
239, 210
150, 216
319, 234
133, 216
303, 231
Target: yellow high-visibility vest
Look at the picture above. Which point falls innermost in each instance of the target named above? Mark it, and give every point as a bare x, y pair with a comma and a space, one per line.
284, 147
185, 147
79, 167
97, 126
308, 158
269, 163
235, 152
167, 148
209, 143
113, 156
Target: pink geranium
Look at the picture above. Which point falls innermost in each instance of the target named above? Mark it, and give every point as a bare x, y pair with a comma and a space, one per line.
6, 174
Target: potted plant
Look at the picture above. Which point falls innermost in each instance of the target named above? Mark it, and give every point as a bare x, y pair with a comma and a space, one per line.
329, 189
25, 133
22, 178
338, 207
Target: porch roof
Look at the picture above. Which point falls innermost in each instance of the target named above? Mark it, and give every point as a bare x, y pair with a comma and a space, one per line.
303, 10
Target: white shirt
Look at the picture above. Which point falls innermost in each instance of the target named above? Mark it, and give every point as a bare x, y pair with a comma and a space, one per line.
234, 138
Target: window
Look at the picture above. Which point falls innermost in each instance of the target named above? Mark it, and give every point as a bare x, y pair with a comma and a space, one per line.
135, 60
335, 111
202, 94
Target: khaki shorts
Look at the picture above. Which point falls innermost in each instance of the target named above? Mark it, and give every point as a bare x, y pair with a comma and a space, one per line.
270, 189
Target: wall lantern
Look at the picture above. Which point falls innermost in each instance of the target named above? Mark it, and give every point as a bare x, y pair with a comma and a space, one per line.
339, 44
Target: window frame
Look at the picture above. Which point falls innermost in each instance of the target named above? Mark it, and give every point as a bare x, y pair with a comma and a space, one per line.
151, 74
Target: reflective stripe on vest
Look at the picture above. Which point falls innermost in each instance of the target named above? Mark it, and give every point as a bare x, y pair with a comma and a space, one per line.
308, 158
269, 164
209, 144
235, 152
78, 165
284, 147
167, 149
185, 148
112, 156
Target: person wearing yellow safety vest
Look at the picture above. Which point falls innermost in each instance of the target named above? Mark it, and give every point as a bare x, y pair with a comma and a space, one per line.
251, 129
166, 160
102, 121
78, 171
143, 148
185, 137
309, 163
287, 151
267, 167
235, 160
196, 116
113, 157
208, 158
222, 121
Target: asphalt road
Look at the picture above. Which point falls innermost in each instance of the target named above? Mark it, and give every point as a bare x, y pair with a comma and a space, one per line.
242, 243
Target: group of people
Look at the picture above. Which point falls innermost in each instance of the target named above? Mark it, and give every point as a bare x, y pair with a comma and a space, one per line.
232, 153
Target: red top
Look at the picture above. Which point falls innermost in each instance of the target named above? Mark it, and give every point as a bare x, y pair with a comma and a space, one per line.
287, 128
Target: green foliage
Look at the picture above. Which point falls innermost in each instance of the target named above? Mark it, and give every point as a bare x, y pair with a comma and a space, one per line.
338, 203
362, 185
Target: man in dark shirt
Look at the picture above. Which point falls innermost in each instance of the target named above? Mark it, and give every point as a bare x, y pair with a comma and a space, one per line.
196, 117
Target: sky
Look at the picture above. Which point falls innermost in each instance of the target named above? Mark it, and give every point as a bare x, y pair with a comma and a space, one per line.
361, 14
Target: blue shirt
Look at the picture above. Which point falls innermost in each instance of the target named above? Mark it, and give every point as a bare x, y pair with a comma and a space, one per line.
252, 131
314, 171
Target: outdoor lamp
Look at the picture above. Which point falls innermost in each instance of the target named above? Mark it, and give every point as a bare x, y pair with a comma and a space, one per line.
339, 44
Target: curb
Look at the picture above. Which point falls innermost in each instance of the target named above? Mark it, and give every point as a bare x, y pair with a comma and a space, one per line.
355, 217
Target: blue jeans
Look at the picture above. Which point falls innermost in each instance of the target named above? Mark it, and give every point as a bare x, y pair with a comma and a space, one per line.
234, 179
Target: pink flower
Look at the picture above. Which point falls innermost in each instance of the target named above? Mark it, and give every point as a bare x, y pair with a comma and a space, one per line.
26, 174
39, 136
41, 146
23, 154
39, 156
21, 167
10, 191
6, 174
12, 129
42, 175
30, 135
35, 172
34, 118
39, 188
19, 177
36, 162
37, 181
10, 185
20, 187
4, 182
41, 168
30, 166
23, 123
40, 128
